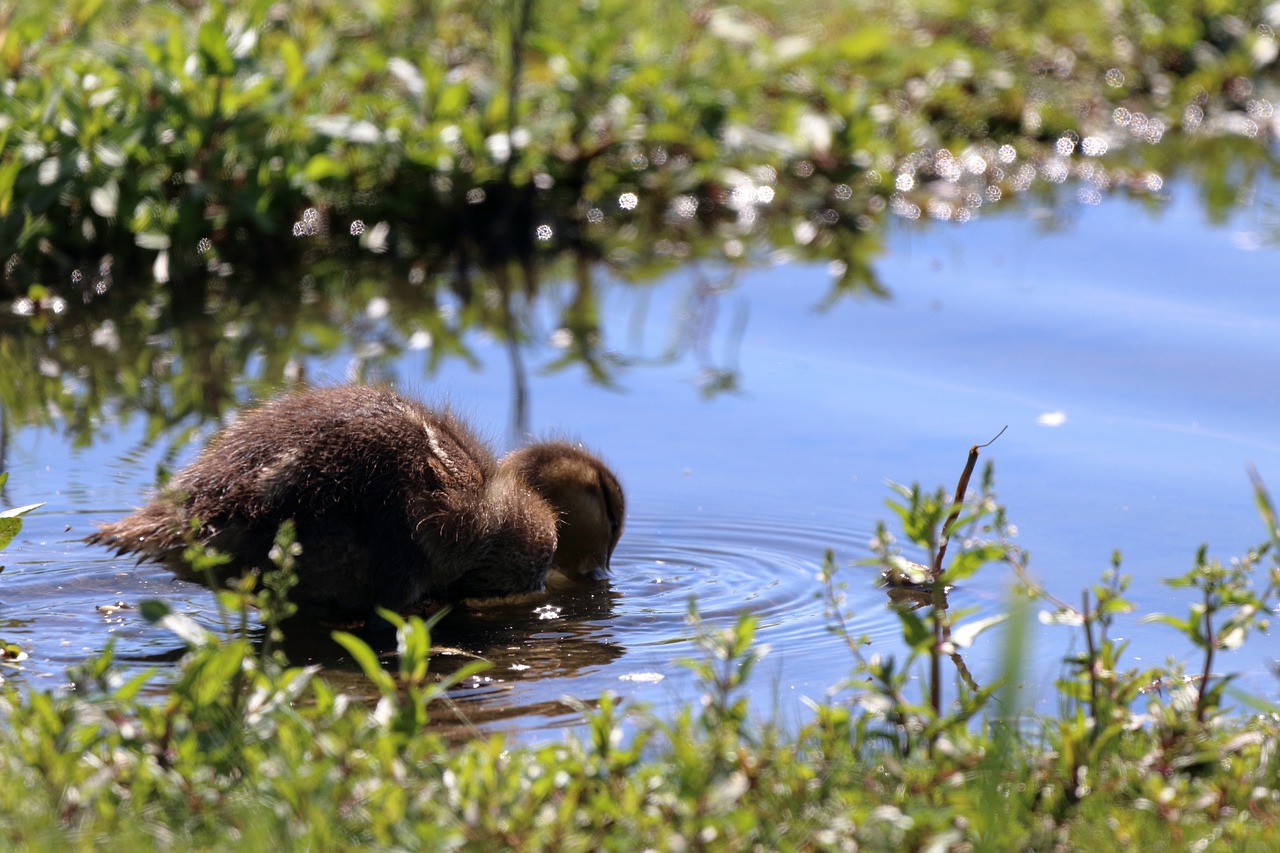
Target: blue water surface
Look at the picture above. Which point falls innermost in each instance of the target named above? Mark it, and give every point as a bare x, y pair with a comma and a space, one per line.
1133, 356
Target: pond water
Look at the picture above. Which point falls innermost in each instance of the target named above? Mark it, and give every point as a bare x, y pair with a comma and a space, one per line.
1133, 355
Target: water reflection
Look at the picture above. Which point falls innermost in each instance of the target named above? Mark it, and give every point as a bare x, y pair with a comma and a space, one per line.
188, 349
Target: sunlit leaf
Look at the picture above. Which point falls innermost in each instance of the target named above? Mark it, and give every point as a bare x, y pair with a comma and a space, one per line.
452, 100
322, 166
864, 44
368, 660
1167, 619
21, 510
408, 74
964, 634
968, 561
295, 69
183, 627
915, 631
104, 199
130, 688
1060, 617
9, 528
215, 54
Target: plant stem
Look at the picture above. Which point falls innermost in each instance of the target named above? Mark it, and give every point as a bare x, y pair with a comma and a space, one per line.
935, 650
1208, 658
961, 487
1093, 663
519, 29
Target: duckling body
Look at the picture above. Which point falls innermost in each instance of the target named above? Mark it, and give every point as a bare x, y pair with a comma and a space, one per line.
393, 503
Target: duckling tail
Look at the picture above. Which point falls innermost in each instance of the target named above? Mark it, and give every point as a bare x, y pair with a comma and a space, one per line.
153, 532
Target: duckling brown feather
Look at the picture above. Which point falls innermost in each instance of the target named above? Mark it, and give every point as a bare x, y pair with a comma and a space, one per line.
394, 502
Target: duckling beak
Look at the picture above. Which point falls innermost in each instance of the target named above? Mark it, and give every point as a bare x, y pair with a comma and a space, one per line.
592, 569
586, 575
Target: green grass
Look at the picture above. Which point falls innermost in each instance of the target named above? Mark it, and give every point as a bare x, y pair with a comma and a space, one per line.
193, 135
244, 751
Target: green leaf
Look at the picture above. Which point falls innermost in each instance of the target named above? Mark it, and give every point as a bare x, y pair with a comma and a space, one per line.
1181, 624
295, 69
154, 610
21, 510
866, 43
968, 562
1114, 605
322, 166
84, 10
495, 113
210, 670
465, 671
8, 176
183, 627
215, 55
368, 660
915, 631
9, 528
11, 653
452, 101
105, 199
128, 691
963, 635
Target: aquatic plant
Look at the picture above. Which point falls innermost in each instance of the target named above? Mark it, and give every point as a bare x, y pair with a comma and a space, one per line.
246, 749
11, 654
240, 181
11, 519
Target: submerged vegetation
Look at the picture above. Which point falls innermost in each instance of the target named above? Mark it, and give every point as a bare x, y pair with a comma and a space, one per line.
197, 198
244, 749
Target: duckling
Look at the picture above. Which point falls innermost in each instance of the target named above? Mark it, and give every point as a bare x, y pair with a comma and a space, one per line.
394, 504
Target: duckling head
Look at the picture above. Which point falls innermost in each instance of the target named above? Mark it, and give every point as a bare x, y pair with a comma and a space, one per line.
586, 497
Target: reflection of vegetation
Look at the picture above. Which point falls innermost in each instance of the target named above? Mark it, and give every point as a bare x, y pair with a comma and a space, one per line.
187, 194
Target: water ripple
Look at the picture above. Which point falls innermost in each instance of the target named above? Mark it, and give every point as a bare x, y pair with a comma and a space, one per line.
728, 566
628, 637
